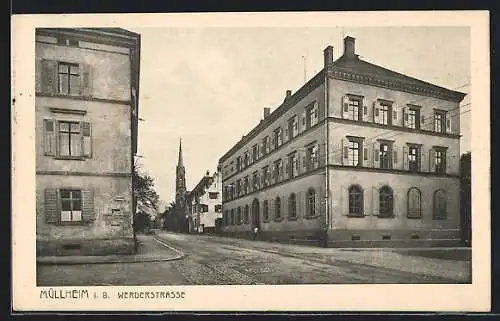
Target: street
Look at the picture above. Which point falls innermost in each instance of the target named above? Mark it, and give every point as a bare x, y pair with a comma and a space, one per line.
215, 260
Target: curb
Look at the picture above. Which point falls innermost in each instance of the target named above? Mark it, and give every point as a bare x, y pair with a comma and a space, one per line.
114, 260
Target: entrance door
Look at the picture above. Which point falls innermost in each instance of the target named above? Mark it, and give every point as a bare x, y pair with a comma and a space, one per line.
256, 213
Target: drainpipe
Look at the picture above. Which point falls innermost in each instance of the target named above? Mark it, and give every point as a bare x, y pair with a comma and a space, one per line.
327, 178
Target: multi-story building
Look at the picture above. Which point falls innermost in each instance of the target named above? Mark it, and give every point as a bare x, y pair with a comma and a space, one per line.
359, 155
87, 84
206, 204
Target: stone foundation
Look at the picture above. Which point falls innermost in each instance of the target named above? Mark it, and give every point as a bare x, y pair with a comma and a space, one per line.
122, 246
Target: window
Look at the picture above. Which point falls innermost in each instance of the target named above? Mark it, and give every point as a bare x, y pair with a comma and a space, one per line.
354, 152
70, 141
246, 215
71, 205
354, 108
414, 203
213, 195
68, 79
238, 216
413, 158
278, 138
439, 121
245, 159
278, 170
385, 155
238, 187
238, 163
386, 202
312, 157
412, 117
439, 212
265, 176
292, 206
277, 208
255, 181
355, 201
312, 115
245, 185
311, 202
265, 145
255, 152
292, 165
293, 127
266, 210
439, 161
218, 208
385, 114
233, 220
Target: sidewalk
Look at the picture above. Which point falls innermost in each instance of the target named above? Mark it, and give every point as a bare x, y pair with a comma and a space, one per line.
149, 249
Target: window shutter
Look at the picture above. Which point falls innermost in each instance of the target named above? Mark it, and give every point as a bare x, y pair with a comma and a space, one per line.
38, 75
376, 160
405, 117
304, 163
49, 76
365, 110
448, 122
422, 119
51, 202
49, 143
321, 157
303, 121
375, 201
86, 80
345, 106
285, 138
375, 113
86, 139
432, 167
423, 161
366, 155
344, 151
394, 116
405, 158
395, 153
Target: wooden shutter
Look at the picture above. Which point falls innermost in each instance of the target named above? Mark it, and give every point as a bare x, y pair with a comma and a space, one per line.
88, 212
405, 117
423, 160
321, 158
432, 166
285, 136
345, 107
376, 156
51, 203
86, 139
375, 201
395, 158
49, 76
38, 75
86, 80
405, 158
376, 118
394, 116
49, 142
366, 155
448, 122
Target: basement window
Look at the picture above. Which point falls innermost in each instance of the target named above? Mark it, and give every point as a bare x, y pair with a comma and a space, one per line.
415, 237
386, 237
72, 246
355, 238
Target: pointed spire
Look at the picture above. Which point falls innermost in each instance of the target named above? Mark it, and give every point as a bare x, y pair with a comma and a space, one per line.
179, 162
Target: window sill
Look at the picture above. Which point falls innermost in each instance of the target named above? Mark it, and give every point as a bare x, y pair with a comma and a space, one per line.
414, 217
292, 218
386, 216
79, 223
439, 218
80, 158
356, 215
279, 219
311, 217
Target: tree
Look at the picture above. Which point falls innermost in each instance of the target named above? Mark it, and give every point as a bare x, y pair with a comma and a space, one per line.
146, 197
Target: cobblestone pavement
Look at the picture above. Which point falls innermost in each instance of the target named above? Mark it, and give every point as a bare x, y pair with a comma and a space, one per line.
212, 260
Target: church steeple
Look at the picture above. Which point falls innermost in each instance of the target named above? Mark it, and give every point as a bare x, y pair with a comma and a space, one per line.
179, 162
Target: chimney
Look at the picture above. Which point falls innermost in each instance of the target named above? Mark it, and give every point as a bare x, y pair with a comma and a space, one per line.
288, 93
267, 111
349, 47
328, 55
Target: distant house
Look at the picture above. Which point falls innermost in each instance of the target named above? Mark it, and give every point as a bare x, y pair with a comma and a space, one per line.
206, 204
87, 84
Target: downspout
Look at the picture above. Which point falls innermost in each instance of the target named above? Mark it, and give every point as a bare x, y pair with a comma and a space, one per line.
327, 176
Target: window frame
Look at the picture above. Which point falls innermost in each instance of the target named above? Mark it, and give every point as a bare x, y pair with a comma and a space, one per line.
311, 202
68, 133
277, 209
436, 214
292, 206
351, 106
386, 198
353, 190
60, 64
441, 122
417, 167
71, 200
382, 154
384, 107
412, 213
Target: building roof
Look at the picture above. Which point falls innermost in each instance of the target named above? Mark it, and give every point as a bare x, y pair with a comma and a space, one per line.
350, 67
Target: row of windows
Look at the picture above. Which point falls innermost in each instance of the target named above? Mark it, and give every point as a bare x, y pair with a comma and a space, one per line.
234, 216
279, 136
275, 173
385, 155
384, 114
386, 202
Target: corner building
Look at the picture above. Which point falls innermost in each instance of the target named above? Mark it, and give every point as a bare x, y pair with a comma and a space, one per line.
87, 84
358, 156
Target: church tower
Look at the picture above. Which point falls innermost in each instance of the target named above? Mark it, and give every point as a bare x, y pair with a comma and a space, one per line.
180, 190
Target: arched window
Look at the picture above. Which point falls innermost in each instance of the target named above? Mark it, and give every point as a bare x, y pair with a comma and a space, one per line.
265, 210
277, 208
238, 216
232, 217
414, 203
386, 201
245, 217
292, 206
439, 205
355, 200
311, 202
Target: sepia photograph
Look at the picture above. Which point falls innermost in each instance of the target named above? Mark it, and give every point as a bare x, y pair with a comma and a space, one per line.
187, 155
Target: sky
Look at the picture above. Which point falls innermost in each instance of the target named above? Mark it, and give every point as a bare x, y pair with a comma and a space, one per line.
209, 86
